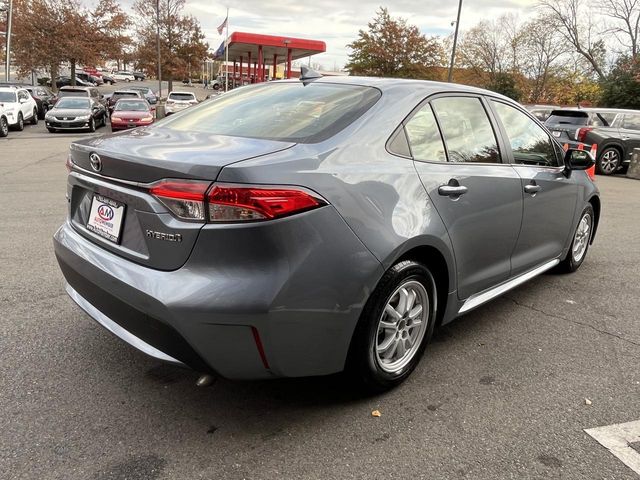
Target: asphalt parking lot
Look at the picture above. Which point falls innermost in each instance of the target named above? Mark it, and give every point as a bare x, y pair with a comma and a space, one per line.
501, 393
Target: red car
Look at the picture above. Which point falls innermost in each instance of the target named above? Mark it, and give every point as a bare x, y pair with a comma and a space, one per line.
131, 113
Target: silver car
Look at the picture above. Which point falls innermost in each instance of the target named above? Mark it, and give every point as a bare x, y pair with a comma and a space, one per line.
308, 227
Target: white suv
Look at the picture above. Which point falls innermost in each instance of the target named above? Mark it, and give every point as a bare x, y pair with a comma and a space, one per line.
19, 106
123, 76
4, 123
178, 101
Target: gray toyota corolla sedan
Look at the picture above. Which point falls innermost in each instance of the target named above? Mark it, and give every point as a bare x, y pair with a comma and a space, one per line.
308, 227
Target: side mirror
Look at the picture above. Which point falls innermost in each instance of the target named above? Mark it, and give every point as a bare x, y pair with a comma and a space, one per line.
23, 100
578, 159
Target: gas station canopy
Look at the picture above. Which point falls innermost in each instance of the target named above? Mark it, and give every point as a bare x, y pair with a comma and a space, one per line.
247, 45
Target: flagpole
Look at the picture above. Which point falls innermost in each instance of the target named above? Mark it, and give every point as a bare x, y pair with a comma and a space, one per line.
226, 57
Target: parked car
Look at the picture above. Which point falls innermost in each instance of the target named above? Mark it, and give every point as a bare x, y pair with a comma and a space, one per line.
106, 78
18, 106
118, 94
89, 92
44, 98
541, 112
565, 123
147, 93
85, 77
302, 228
65, 81
178, 101
124, 76
615, 142
131, 113
76, 113
4, 121
139, 75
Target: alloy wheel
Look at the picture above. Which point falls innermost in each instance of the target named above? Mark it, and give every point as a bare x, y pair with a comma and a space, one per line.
402, 326
609, 161
581, 238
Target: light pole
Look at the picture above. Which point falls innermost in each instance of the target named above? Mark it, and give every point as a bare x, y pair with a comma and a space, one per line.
455, 41
158, 47
7, 71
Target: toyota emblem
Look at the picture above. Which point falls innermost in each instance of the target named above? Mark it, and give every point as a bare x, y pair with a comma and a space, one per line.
96, 162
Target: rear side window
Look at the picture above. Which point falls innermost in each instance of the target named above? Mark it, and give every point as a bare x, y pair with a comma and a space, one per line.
530, 144
467, 130
631, 122
288, 111
424, 136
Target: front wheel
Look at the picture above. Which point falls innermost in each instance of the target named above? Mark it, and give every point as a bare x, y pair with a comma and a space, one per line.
92, 125
34, 117
580, 244
608, 161
4, 127
395, 327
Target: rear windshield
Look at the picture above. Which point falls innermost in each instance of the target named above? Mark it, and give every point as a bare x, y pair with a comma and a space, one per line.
181, 96
7, 96
567, 118
131, 106
288, 112
72, 103
73, 93
116, 95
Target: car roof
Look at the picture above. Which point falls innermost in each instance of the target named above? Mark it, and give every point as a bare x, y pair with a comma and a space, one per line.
181, 92
77, 87
125, 91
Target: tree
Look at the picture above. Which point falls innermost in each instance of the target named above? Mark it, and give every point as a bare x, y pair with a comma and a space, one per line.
182, 44
505, 84
626, 14
392, 48
574, 20
621, 89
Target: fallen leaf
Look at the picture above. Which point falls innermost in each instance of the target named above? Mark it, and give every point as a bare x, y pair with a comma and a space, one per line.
376, 413
587, 401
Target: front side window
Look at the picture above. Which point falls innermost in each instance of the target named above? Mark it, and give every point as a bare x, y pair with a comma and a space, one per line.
467, 130
424, 136
530, 144
631, 122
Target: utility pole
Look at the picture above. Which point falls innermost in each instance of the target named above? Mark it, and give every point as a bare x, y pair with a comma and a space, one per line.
455, 41
158, 47
7, 71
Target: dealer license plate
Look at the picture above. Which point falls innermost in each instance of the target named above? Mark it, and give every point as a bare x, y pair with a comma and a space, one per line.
105, 218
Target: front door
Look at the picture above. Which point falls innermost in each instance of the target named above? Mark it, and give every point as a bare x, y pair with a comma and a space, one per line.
549, 196
477, 196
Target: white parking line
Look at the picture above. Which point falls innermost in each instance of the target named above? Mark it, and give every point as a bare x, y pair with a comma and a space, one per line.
616, 438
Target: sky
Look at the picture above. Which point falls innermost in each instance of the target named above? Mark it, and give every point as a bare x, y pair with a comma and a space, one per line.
337, 22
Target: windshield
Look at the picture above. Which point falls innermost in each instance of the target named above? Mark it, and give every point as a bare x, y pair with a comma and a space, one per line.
69, 103
131, 106
280, 111
7, 96
182, 96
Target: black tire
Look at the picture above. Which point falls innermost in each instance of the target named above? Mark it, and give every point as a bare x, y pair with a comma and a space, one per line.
127, 80
92, 125
216, 86
20, 124
4, 127
364, 363
624, 169
570, 263
609, 159
34, 117
51, 130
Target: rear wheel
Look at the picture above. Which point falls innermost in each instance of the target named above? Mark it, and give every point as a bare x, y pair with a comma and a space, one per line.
34, 117
580, 244
394, 328
51, 130
4, 127
608, 161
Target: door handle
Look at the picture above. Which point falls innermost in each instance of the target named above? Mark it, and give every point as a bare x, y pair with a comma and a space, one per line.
532, 188
453, 189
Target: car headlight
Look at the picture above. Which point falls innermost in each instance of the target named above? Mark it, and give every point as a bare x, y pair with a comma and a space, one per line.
84, 117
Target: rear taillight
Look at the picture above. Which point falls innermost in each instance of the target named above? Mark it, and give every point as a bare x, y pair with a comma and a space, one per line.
185, 198
581, 133
235, 203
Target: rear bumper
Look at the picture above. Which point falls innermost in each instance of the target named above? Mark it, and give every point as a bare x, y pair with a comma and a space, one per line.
303, 299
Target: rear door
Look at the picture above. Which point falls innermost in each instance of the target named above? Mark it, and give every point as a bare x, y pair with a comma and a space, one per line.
630, 132
549, 196
477, 195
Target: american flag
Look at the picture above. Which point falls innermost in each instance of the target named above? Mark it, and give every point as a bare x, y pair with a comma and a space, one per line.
222, 25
